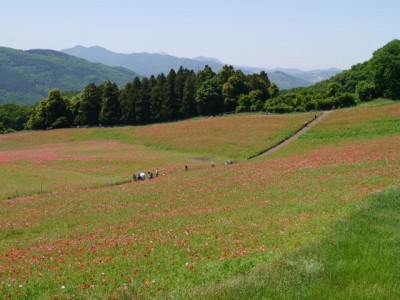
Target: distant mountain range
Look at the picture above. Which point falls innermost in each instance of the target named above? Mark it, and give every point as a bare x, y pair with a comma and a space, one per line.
27, 76
147, 64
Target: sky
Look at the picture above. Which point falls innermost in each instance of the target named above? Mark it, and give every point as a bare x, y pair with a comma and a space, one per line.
305, 34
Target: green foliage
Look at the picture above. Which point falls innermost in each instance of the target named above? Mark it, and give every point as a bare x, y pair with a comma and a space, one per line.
189, 106
251, 102
90, 106
366, 91
378, 77
110, 113
54, 111
385, 64
33, 73
13, 117
209, 97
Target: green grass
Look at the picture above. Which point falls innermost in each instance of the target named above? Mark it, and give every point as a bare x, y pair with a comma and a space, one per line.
358, 260
349, 126
376, 102
205, 233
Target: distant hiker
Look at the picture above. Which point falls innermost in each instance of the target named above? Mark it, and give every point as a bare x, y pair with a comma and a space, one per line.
157, 172
142, 176
229, 162
186, 168
133, 178
212, 164
315, 117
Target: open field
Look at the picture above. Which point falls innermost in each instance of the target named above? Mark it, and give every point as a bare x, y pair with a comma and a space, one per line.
65, 159
254, 228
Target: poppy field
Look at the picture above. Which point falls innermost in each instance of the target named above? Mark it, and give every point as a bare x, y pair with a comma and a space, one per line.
79, 228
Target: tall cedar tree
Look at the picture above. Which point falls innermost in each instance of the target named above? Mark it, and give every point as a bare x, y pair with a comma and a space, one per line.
90, 105
129, 99
156, 98
110, 113
169, 104
189, 105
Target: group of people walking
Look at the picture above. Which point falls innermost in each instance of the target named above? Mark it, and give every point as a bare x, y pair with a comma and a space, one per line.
142, 175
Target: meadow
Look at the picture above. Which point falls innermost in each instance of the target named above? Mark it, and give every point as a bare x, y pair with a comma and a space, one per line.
314, 220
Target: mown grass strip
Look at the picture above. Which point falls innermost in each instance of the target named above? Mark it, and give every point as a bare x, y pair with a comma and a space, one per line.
358, 260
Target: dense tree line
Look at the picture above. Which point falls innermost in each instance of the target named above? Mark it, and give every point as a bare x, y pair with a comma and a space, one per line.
13, 117
179, 95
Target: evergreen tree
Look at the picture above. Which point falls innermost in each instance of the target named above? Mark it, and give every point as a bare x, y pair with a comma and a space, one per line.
110, 113
129, 101
206, 74
142, 106
90, 105
180, 81
189, 107
225, 73
169, 105
156, 98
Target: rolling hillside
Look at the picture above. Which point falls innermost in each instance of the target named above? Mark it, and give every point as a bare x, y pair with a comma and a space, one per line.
27, 76
301, 223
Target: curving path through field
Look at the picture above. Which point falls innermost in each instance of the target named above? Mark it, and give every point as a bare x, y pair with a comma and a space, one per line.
299, 133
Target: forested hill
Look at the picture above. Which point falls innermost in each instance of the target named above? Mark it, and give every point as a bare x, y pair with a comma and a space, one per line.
377, 77
27, 76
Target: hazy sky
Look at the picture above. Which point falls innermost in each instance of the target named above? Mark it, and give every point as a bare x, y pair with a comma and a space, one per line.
303, 34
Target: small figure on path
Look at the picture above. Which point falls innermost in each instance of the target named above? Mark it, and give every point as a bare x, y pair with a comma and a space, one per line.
186, 168
212, 164
157, 172
133, 178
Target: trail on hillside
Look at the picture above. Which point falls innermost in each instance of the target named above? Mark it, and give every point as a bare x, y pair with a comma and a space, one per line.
297, 134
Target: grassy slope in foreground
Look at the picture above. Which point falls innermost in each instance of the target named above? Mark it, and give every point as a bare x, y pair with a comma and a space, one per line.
358, 260
188, 229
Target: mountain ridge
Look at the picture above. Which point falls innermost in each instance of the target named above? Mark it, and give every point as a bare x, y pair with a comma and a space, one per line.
148, 64
28, 76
